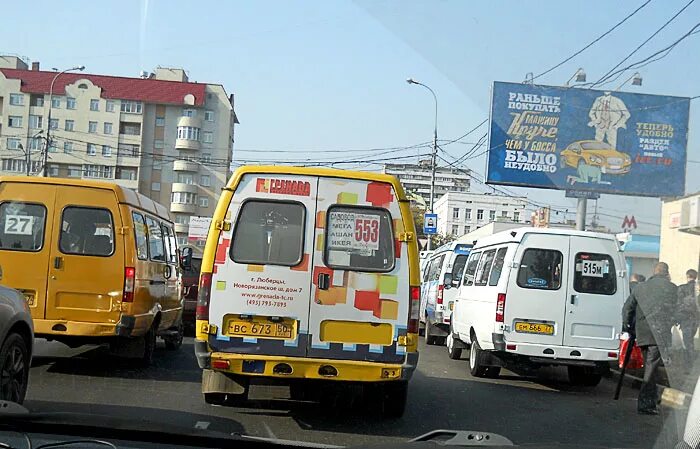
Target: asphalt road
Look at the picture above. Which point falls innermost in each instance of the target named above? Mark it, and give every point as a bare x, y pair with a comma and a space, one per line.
442, 395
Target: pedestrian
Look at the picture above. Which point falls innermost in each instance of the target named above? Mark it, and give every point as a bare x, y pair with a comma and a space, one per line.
635, 279
688, 315
650, 307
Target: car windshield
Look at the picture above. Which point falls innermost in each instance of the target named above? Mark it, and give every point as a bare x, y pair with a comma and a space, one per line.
223, 216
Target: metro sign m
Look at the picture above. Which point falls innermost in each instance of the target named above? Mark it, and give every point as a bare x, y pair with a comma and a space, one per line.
629, 223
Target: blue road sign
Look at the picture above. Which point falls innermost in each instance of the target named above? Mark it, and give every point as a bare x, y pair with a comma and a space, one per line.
430, 224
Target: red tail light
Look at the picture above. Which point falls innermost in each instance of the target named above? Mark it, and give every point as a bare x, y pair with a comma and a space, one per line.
413, 310
202, 310
500, 307
129, 282
441, 289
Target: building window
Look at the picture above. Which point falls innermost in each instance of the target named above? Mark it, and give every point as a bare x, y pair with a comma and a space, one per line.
126, 173
67, 147
13, 144
16, 99
185, 178
157, 163
467, 229
36, 100
53, 123
455, 213
20, 166
130, 128
75, 171
94, 105
106, 150
160, 121
158, 144
109, 107
70, 125
516, 216
492, 215
188, 112
479, 214
14, 121
126, 149
207, 137
206, 158
91, 171
55, 102
204, 202
188, 132
52, 148
209, 116
455, 230
36, 121
155, 186
107, 128
204, 181
183, 198
91, 149
467, 214
92, 127
70, 103
53, 170
35, 143
133, 107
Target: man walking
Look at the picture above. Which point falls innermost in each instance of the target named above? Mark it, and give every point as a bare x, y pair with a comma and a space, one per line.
650, 307
688, 315
635, 279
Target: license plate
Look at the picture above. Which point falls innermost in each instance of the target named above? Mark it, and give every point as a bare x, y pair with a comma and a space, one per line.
246, 328
452, 306
534, 328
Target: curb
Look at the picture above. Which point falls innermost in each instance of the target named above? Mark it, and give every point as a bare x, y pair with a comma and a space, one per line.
670, 397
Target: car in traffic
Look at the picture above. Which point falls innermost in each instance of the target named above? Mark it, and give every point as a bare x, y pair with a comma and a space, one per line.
104, 263
596, 154
16, 342
536, 297
190, 286
310, 279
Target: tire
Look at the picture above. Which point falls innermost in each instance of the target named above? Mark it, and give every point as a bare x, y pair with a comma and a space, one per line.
174, 343
226, 400
430, 339
215, 398
395, 399
149, 346
14, 369
476, 367
298, 391
585, 376
452, 352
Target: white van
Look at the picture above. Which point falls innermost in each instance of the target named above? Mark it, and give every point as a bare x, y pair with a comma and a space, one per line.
541, 297
442, 272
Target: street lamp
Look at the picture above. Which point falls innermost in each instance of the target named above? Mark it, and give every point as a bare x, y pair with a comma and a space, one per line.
580, 76
434, 155
636, 81
48, 122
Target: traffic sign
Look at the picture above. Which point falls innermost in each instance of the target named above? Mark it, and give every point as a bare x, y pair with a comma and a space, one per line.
430, 224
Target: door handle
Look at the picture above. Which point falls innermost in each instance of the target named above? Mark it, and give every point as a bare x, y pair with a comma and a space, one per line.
156, 282
573, 299
57, 261
324, 281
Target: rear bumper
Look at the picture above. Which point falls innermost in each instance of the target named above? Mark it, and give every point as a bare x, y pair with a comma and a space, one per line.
305, 368
563, 355
44, 328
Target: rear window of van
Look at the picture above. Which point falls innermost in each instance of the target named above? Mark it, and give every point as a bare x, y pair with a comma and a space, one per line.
22, 226
359, 239
540, 269
595, 273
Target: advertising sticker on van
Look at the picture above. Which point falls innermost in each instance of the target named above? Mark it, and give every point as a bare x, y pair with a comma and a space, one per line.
19, 224
283, 186
353, 232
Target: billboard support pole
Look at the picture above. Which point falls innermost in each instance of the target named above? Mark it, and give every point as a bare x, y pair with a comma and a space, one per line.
581, 205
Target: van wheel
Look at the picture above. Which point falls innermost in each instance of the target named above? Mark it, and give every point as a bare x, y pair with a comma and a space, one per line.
14, 369
174, 342
585, 376
225, 399
453, 352
149, 346
395, 398
476, 366
298, 391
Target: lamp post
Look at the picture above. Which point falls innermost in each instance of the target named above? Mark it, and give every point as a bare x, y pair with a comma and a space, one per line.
48, 122
636, 81
434, 155
580, 76
28, 152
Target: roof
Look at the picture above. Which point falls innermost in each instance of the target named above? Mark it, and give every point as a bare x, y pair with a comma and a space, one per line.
124, 195
316, 171
509, 236
113, 87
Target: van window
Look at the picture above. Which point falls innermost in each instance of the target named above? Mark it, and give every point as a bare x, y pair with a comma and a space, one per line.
155, 240
482, 274
595, 273
458, 267
471, 268
435, 268
22, 226
140, 234
359, 239
170, 244
541, 269
269, 233
86, 231
497, 266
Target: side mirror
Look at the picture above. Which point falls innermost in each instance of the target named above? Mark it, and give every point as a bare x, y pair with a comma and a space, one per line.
447, 281
186, 258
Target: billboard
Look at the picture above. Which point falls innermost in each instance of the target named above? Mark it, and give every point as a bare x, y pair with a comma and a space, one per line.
198, 228
587, 140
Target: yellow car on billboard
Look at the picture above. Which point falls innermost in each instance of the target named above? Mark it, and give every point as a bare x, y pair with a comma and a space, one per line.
597, 154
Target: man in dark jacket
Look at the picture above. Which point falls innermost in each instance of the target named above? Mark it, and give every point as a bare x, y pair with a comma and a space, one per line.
650, 307
688, 315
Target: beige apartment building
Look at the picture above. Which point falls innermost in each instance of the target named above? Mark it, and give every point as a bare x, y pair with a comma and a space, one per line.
160, 134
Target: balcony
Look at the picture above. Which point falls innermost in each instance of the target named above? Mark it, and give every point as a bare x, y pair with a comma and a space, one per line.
182, 187
188, 133
183, 208
182, 228
185, 166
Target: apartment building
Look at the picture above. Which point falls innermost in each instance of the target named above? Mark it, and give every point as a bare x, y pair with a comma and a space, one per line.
415, 179
160, 134
462, 213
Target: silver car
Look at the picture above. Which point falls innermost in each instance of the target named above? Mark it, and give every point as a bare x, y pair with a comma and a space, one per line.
17, 337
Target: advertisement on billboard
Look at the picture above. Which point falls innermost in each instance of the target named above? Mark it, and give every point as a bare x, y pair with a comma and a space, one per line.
587, 140
198, 228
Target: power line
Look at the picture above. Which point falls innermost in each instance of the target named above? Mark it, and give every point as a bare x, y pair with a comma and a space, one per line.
569, 58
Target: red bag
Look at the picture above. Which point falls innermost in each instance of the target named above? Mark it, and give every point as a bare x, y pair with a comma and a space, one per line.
636, 358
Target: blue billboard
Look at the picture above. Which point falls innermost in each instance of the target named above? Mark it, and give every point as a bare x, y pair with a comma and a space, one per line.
587, 140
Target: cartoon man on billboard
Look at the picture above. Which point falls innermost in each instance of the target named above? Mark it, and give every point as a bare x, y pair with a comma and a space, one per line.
607, 114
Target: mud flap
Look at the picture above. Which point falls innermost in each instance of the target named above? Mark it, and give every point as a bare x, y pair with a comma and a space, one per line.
216, 382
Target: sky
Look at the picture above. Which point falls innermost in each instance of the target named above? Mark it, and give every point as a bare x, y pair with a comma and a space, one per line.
325, 80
